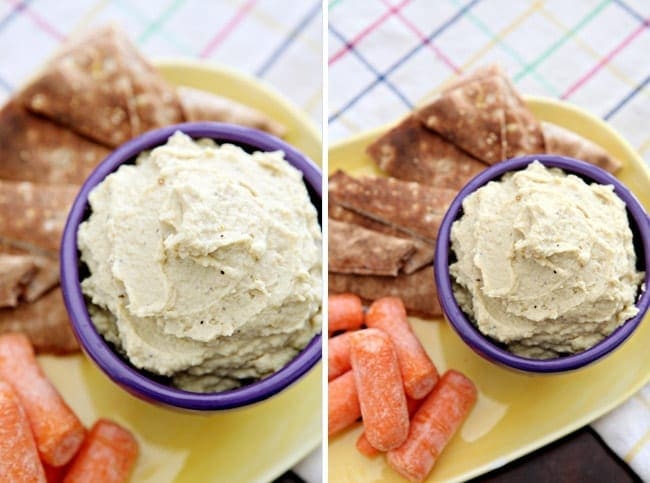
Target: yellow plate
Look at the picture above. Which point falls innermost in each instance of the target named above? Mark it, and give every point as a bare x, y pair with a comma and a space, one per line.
252, 444
515, 413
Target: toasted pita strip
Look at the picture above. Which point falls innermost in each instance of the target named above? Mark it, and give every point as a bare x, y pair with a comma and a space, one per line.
353, 249
417, 291
472, 116
523, 131
45, 275
35, 149
85, 87
484, 114
99, 86
16, 271
480, 72
412, 207
199, 105
155, 102
34, 214
44, 321
423, 254
567, 143
45, 278
411, 152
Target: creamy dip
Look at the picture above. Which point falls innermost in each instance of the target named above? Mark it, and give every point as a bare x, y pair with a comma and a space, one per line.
205, 263
545, 262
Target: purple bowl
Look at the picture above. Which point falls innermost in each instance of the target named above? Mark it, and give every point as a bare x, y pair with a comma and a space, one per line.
115, 367
491, 350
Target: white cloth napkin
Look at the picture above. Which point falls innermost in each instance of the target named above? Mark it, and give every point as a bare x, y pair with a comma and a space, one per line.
627, 431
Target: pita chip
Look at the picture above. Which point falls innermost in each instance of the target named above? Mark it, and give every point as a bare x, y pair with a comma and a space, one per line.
472, 116
46, 268
417, 291
353, 249
99, 86
35, 149
412, 207
16, 271
44, 321
423, 251
483, 114
200, 105
33, 215
567, 143
411, 152
523, 131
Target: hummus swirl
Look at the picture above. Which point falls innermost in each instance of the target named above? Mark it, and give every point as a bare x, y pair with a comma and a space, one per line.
545, 262
205, 263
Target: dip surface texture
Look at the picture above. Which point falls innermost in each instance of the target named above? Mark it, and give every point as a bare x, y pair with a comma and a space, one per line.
205, 263
545, 262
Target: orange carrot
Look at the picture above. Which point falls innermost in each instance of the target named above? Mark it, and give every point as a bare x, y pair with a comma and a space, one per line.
338, 355
342, 403
57, 430
433, 425
54, 474
418, 372
379, 385
345, 312
18, 455
364, 446
107, 455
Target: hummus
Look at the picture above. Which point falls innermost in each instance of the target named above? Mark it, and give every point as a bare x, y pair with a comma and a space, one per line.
545, 262
205, 263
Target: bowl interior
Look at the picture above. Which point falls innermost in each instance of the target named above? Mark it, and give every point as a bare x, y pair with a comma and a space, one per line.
143, 384
496, 351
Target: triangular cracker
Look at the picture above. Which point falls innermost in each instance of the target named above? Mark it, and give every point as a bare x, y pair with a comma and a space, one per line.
423, 254
44, 321
353, 249
411, 207
567, 143
98, 85
36, 149
411, 152
199, 105
33, 214
417, 291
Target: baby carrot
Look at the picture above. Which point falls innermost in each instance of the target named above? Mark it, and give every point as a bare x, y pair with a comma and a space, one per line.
345, 312
433, 425
18, 455
338, 355
57, 430
364, 446
54, 474
418, 372
342, 403
107, 455
380, 389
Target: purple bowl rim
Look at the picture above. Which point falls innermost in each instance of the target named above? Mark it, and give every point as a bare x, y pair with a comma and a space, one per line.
468, 331
93, 343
